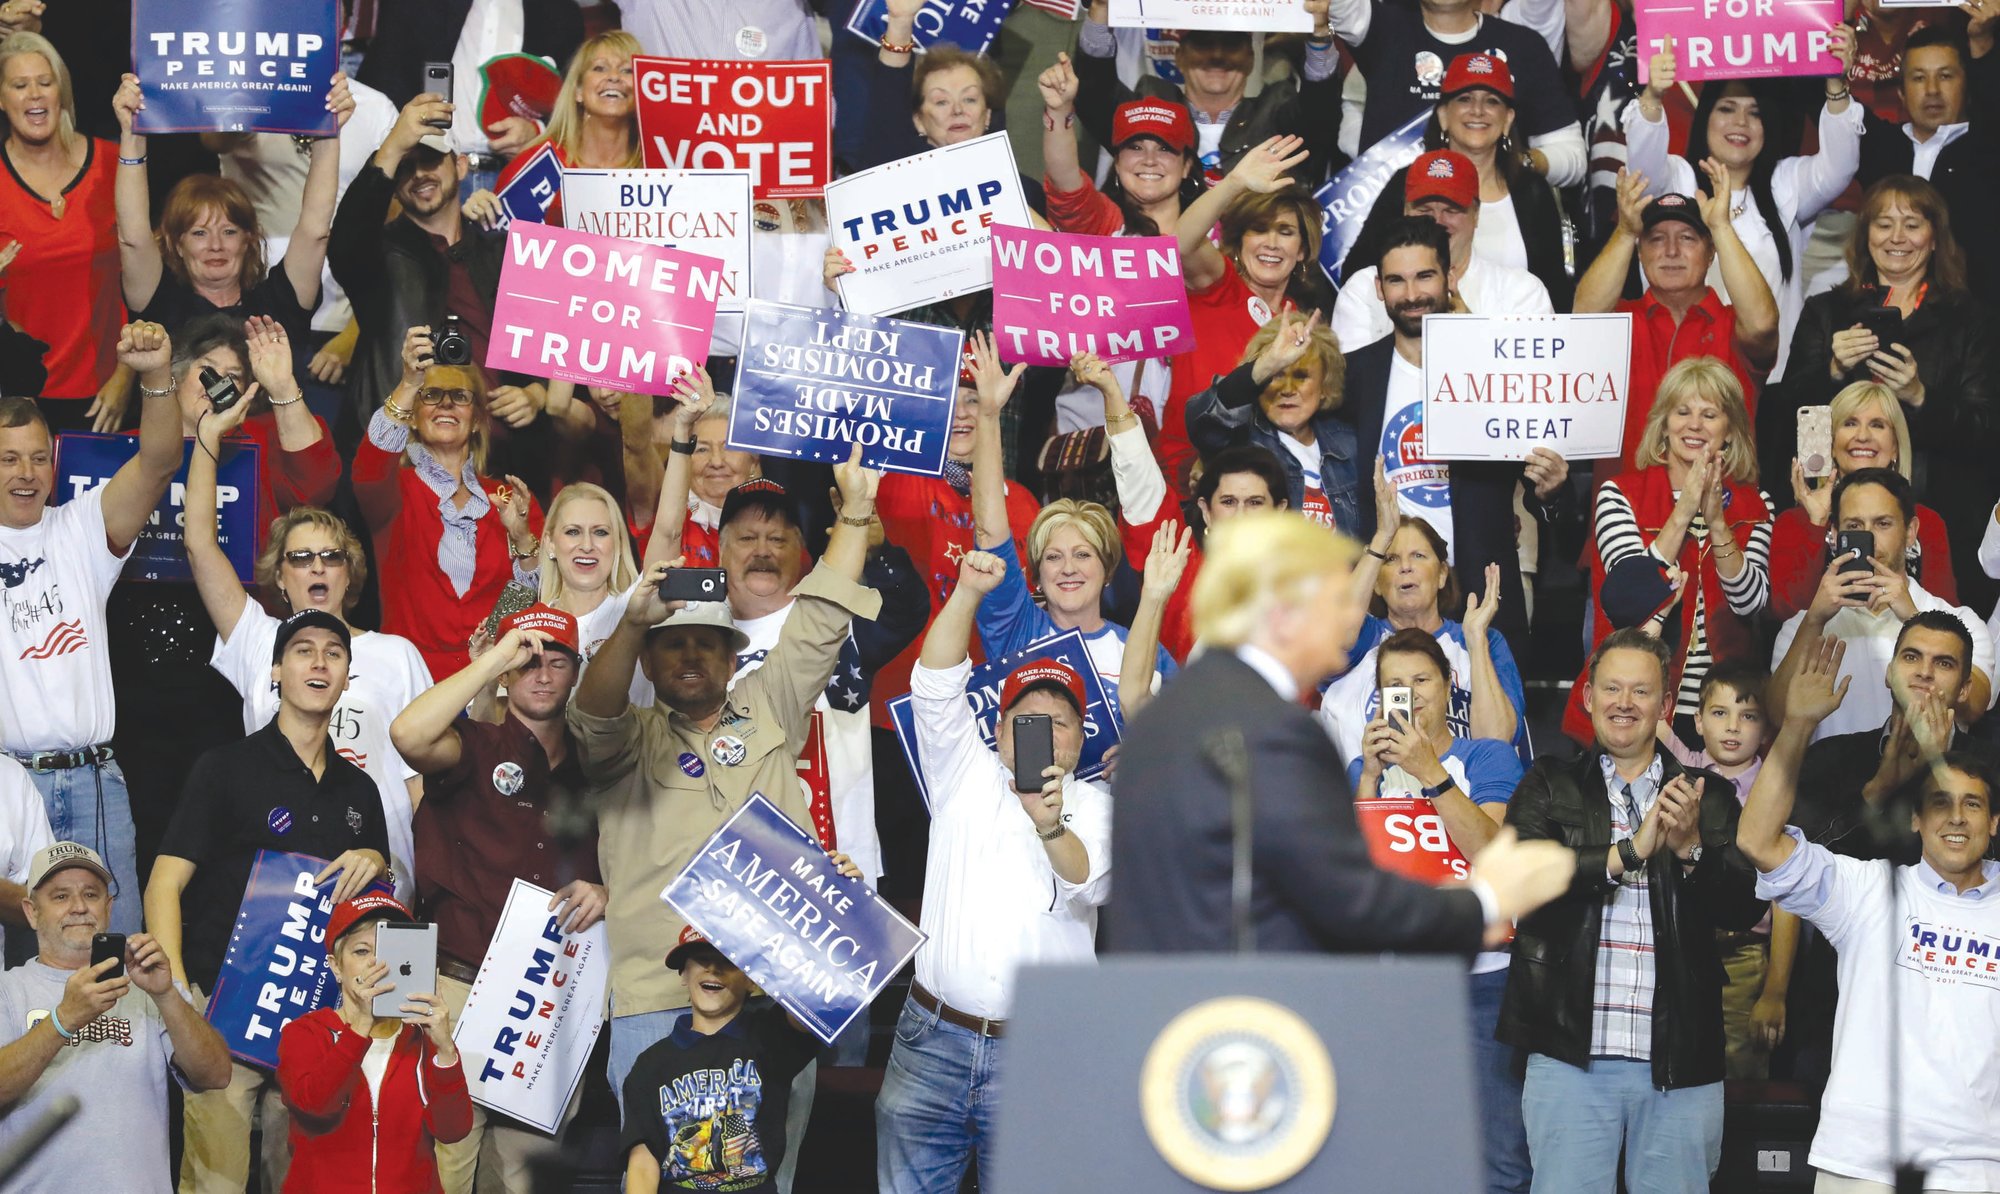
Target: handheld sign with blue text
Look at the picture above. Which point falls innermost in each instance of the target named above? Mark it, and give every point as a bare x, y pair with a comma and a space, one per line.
534, 1011
1056, 294
765, 894
1345, 201
917, 229
1496, 387
236, 66
86, 460
971, 25
812, 382
276, 968
1101, 730
534, 187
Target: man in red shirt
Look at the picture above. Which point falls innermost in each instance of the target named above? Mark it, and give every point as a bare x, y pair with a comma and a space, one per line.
501, 802
1678, 238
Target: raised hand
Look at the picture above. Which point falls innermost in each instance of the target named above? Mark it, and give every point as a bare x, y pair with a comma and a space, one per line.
270, 357
1545, 471
1632, 203
1480, 610
980, 571
695, 397
1268, 167
511, 503
645, 607
418, 355
994, 381
126, 102
857, 483
1717, 201
1058, 87
1167, 562
1293, 338
144, 347
1660, 72
340, 101
833, 266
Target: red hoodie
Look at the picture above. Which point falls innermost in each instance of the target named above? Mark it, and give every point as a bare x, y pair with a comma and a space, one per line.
335, 1129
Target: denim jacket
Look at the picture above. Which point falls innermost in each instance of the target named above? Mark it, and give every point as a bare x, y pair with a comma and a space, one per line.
1227, 414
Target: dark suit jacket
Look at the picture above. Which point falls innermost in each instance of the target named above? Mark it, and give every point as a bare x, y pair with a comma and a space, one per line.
1314, 889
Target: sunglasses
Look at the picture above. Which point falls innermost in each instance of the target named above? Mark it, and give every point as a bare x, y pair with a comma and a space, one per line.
330, 557
437, 397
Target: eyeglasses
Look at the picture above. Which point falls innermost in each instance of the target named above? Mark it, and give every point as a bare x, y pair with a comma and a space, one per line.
431, 396
330, 557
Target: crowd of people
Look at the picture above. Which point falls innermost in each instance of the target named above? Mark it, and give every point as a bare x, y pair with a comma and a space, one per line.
452, 660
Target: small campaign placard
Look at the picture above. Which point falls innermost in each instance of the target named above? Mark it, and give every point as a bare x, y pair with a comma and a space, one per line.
276, 967
765, 894
917, 229
971, 25
772, 119
236, 66
1406, 837
812, 382
1101, 729
86, 460
1739, 39
1496, 387
534, 1011
698, 211
601, 311
1347, 198
1234, 16
1056, 294
534, 187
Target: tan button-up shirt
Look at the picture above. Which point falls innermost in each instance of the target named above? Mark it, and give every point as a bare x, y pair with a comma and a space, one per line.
663, 786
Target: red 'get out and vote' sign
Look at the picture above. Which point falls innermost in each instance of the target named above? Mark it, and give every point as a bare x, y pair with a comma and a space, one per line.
1056, 294
773, 119
1739, 39
601, 311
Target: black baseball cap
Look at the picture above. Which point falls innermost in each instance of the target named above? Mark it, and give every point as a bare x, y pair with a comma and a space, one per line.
758, 493
308, 619
1675, 206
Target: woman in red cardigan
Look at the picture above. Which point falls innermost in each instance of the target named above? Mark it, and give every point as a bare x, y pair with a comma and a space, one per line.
370, 1098
447, 539
1869, 431
1693, 504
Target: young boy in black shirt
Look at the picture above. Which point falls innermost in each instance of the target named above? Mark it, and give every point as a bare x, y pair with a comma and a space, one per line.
705, 1108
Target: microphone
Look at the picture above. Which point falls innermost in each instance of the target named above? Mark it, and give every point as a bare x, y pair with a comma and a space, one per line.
31, 1141
1226, 750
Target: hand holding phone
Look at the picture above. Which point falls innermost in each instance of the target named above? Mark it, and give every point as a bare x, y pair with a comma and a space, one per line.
1034, 750
1816, 441
438, 79
695, 584
104, 947
1847, 542
1395, 700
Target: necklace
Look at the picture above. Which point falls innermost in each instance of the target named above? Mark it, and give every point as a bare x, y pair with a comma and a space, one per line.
57, 205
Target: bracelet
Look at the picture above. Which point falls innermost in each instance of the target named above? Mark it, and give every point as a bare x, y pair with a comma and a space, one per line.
1844, 93
1053, 834
125, 161
1049, 120
1128, 419
684, 446
150, 392
1628, 855
398, 413
294, 400
56, 1023
849, 520
1370, 549
518, 554
909, 47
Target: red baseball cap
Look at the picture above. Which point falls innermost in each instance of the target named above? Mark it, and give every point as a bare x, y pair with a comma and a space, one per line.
691, 940
1469, 72
1442, 174
1167, 122
1039, 673
559, 625
370, 907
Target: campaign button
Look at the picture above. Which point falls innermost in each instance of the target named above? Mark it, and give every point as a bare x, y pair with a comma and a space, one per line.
280, 821
729, 750
691, 765
751, 42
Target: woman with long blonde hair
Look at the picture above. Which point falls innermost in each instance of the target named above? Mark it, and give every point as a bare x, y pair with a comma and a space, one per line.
595, 123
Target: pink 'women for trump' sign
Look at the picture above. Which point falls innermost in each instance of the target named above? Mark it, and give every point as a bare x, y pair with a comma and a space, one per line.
1739, 39
601, 311
1056, 294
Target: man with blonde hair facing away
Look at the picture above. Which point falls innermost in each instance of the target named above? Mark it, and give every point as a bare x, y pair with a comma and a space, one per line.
1275, 606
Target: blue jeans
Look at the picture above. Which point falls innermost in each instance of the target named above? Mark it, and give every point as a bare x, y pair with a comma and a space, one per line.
939, 1099
89, 805
1578, 1119
1493, 1067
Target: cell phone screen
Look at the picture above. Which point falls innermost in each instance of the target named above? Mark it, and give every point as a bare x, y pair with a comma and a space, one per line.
1034, 750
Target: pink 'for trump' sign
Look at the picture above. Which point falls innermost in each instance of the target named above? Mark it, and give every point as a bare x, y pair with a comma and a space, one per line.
1739, 39
1056, 294
601, 311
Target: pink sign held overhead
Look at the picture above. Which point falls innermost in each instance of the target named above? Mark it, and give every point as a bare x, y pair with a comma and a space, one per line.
601, 311
1056, 294
1739, 39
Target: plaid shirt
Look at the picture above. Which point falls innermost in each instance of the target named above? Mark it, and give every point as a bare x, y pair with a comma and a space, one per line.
1622, 1022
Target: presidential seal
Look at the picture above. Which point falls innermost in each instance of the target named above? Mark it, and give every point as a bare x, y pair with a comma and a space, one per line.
1237, 1093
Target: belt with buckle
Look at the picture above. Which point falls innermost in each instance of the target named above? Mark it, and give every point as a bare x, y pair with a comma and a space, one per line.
453, 968
63, 760
485, 161
951, 1015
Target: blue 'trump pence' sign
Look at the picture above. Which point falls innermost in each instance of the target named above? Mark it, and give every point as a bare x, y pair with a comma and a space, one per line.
86, 460
971, 25
275, 970
765, 893
811, 382
236, 66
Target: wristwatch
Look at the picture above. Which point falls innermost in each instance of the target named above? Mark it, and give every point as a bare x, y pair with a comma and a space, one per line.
1052, 834
1433, 793
1693, 856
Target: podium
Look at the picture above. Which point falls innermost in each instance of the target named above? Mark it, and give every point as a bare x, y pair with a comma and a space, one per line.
1190, 1072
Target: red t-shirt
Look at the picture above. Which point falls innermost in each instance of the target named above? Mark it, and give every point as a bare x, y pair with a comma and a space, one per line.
67, 273
1225, 315
1658, 344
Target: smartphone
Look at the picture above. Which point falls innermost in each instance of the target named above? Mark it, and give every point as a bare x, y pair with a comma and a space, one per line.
1034, 750
221, 389
438, 80
1861, 541
1816, 441
108, 945
1396, 700
1885, 322
410, 952
695, 584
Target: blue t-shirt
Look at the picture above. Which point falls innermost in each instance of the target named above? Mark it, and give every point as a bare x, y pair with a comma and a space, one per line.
1486, 771
1351, 701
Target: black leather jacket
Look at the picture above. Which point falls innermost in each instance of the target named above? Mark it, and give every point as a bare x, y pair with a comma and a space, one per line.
1551, 986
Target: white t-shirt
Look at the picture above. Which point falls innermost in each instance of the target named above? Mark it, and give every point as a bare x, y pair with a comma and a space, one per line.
1488, 289
1423, 487
593, 628
375, 1063
1871, 643
492, 28
765, 30
55, 661
24, 821
384, 676
850, 750
1498, 237
1943, 954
